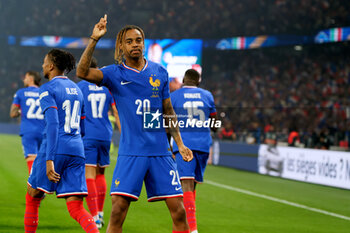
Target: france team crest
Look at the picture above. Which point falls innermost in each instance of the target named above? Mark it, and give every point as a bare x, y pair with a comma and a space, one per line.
152, 120
155, 84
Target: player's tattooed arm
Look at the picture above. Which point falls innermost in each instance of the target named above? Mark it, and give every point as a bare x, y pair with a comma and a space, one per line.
83, 69
170, 116
169, 140
15, 111
116, 116
214, 117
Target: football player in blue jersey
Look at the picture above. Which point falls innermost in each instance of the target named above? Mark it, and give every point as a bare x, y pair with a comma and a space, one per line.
141, 91
97, 141
193, 104
26, 104
60, 164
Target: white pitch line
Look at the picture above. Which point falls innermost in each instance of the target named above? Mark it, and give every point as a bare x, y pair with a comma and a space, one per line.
277, 200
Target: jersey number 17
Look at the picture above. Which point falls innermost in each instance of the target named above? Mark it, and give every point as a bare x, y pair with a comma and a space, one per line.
97, 104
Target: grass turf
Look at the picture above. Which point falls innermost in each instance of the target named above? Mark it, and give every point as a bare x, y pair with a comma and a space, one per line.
218, 209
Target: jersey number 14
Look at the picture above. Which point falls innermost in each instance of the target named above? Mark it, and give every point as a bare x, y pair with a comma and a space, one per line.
72, 119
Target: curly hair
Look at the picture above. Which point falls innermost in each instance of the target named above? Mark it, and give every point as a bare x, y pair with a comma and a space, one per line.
63, 60
118, 55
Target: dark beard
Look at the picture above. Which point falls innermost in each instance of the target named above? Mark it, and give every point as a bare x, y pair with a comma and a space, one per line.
136, 58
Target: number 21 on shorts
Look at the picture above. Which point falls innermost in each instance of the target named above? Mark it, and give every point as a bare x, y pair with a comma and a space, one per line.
175, 180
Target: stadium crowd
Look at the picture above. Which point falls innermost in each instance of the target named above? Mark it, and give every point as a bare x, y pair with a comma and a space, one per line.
13, 66
280, 87
305, 91
284, 88
188, 19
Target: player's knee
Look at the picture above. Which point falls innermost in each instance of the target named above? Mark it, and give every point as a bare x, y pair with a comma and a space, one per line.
178, 214
100, 170
34, 192
90, 172
120, 207
187, 185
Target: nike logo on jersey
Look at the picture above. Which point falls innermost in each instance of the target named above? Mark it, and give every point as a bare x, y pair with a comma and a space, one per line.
178, 188
124, 83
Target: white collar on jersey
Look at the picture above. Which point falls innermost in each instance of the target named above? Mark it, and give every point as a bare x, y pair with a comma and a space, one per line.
59, 77
189, 86
133, 69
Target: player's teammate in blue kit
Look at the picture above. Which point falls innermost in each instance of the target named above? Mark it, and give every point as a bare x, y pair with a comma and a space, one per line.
195, 104
97, 141
60, 164
140, 89
26, 104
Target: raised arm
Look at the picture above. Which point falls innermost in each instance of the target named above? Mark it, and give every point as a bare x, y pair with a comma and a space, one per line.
83, 69
174, 130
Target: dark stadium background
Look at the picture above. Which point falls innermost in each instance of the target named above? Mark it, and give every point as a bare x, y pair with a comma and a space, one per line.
255, 88
261, 94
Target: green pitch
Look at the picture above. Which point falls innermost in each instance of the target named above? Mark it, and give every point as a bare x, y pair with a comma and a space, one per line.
221, 208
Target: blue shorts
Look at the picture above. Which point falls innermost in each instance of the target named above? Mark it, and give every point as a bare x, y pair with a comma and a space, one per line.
31, 143
97, 152
159, 173
193, 169
71, 170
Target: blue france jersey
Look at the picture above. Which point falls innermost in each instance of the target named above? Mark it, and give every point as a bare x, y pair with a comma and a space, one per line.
198, 103
139, 95
32, 119
64, 95
97, 102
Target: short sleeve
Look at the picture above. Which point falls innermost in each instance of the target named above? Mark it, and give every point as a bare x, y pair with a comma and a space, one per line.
110, 97
108, 72
80, 85
212, 108
83, 114
46, 99
173, 98
166, 92
16, 99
